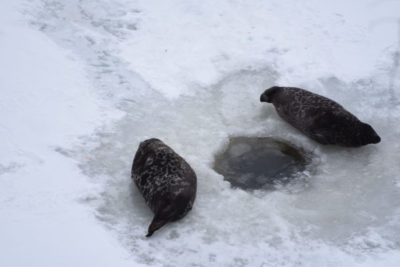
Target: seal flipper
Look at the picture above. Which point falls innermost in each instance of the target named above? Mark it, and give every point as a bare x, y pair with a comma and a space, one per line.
156, 224
162, 216
172, 208
160, 219
325, 128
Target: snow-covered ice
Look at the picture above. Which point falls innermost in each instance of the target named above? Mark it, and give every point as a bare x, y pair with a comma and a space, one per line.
83, 82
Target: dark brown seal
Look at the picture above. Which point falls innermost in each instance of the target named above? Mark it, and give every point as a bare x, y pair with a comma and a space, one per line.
320, 118
166, 181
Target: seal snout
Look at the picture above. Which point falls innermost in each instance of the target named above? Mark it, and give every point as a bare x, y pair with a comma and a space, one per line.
370, 133
263, 98
269, 94
376, 139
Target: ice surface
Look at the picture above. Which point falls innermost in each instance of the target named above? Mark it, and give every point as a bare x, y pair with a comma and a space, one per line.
349, 212
83, 82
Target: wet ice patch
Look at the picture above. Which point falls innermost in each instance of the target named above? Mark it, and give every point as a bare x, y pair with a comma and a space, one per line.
348, 196
261, 163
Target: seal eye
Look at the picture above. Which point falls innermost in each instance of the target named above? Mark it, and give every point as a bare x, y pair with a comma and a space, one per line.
149, 161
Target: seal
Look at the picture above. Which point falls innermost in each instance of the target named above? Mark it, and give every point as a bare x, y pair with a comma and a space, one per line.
319, 118
166, 181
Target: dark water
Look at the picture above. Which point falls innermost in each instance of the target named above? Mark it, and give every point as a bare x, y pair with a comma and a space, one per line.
260, 162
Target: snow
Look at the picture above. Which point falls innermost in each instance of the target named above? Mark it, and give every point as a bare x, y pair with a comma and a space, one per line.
45, 103
83, 82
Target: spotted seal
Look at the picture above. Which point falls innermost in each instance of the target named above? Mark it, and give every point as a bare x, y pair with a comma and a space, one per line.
320, 118
166, 181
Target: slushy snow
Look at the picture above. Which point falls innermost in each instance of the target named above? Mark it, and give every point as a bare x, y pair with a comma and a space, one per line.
83, 82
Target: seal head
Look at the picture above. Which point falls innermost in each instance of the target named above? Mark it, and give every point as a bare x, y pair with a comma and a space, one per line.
268, 94
368, 135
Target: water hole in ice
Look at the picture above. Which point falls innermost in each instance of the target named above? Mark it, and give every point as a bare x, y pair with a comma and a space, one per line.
261, 163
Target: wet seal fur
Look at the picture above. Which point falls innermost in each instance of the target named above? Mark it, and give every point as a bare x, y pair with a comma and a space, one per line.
320, 118
166, 181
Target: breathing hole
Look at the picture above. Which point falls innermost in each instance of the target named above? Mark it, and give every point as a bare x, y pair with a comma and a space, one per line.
263, 163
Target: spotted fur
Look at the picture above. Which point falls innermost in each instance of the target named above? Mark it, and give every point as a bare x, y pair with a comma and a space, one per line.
320, 118
166, 181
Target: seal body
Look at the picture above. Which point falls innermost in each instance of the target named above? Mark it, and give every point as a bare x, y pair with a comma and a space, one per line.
320, 118
166, 181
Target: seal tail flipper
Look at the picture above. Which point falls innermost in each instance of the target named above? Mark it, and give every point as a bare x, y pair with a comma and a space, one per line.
156, 224
171, 210
161, 217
